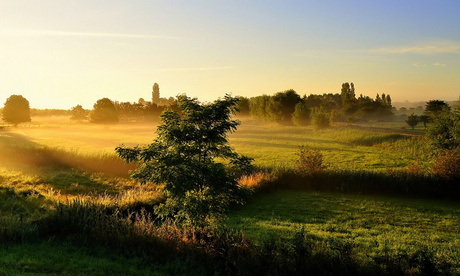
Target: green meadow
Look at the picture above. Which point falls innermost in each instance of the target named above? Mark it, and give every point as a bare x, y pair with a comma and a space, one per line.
53, 161
374, 226
362, 147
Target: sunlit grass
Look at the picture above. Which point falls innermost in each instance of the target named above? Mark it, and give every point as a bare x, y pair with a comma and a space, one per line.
343, 147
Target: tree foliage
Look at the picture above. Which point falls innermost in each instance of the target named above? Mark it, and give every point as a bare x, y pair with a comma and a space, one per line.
284, 108
104, 112
78, 113
301, 115
412, 120
435, 107
349, 102
243, 106
320, 118
282, 105
445, 129
16, 110
193, 160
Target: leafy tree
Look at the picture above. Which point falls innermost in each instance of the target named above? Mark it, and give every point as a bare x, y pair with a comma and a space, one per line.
243, 106
320, 118
348, 98
301, 115
412, 120
434, 107
104, 112
258, 106
16, 110
193, 160
281, 106
425, 119
445, 130
78, 113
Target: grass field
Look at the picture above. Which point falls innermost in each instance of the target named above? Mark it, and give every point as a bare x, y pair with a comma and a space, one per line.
366, 147
53, 159
373, 225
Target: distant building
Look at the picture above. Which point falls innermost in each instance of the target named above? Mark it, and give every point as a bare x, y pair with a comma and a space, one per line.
156, 94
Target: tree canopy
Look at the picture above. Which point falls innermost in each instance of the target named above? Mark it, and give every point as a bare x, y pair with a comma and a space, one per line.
16, 110
193, 160
104, 112
78, 113
434, 107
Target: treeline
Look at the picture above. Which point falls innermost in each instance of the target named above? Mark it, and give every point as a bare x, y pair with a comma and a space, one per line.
108, 111
288, 107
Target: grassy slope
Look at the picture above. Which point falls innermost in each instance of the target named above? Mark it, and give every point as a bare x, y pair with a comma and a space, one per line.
372, 224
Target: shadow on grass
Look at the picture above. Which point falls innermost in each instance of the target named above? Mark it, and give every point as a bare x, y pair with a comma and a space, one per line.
396, 183
370, 141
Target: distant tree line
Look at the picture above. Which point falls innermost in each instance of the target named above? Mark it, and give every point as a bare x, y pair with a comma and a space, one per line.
106, 111
288, 107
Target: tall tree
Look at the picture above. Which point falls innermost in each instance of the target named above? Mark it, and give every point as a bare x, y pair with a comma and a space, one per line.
16, 110
193, 160
104, 112
348, 98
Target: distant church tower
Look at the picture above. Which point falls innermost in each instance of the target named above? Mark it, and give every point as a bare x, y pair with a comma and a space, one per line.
156, 94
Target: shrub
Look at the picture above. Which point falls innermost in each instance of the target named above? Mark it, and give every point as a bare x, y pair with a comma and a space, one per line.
310, 161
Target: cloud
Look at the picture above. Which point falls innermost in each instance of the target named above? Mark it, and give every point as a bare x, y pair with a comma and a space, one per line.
78, 34
436, 64
196, 69
442, 47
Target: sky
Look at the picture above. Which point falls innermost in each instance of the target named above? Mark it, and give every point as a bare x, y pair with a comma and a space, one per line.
58, 54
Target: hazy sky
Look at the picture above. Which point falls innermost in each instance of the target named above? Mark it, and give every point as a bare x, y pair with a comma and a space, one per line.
59, 54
